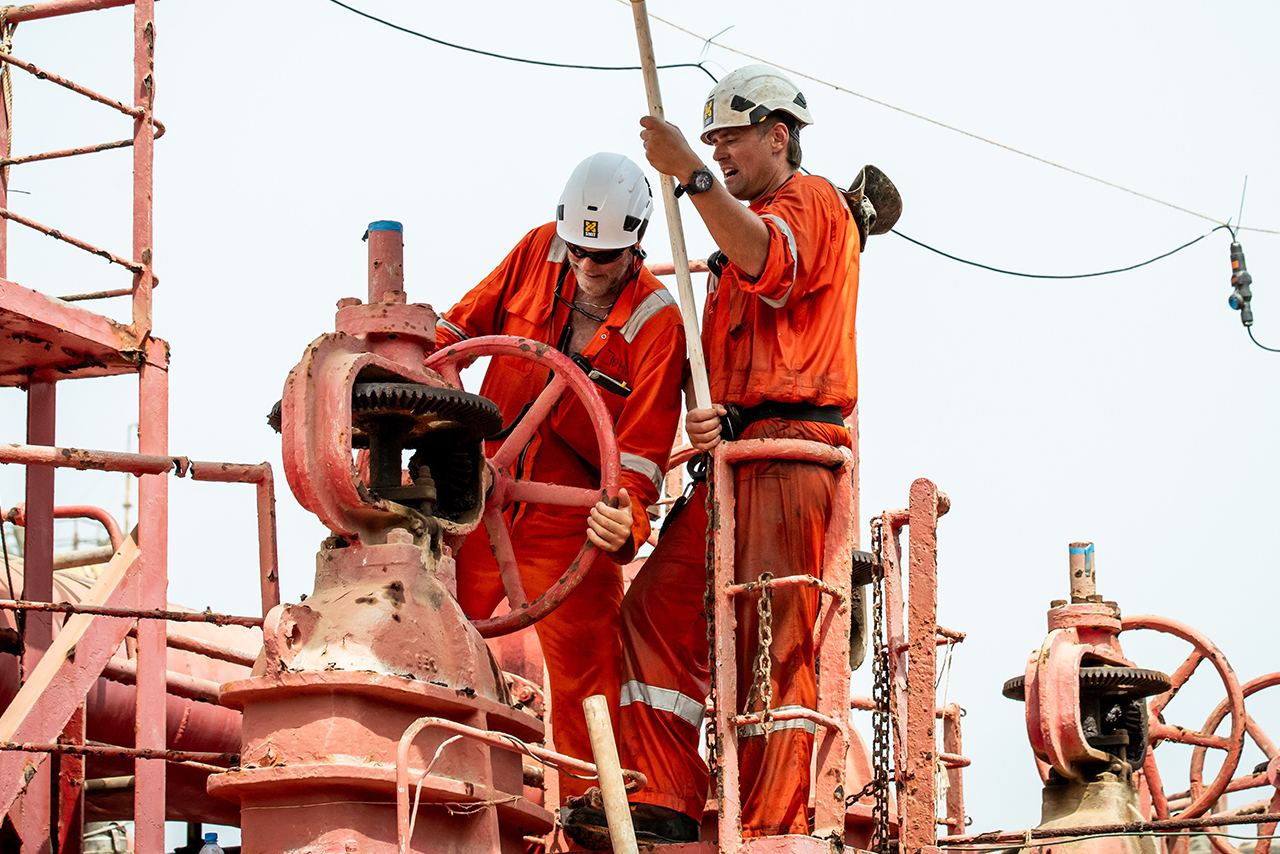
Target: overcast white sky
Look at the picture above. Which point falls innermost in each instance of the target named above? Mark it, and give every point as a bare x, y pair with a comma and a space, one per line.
1130, 410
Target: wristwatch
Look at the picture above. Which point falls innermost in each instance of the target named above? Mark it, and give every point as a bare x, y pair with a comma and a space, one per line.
699, 182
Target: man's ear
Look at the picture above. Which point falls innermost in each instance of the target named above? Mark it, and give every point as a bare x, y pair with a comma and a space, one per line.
778, 137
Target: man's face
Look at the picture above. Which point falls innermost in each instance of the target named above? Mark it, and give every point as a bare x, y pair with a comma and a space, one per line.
746, 160
599, 279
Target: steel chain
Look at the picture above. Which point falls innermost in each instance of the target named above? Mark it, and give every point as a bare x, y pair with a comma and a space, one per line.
880, 758
762, 683
709, 609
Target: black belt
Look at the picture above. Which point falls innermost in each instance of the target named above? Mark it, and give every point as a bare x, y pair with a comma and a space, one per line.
739, 418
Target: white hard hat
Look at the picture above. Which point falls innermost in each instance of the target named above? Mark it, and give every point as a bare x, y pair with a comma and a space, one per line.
749, 94
605, 203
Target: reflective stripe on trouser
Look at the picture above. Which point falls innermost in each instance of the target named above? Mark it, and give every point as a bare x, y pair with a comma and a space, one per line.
780, 528
580, 639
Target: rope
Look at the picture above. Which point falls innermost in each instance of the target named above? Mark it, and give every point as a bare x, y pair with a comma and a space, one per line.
6, 85
945, 126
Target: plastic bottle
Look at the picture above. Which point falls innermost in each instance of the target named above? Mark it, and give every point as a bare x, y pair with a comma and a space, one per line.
211, 844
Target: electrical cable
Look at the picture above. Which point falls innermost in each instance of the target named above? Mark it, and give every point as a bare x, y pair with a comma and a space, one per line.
1003, 271
1249, 329
915, 115
507, 57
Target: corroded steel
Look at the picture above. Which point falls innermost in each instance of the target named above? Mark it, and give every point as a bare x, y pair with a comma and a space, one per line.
997, 837
505, 490
1202, 797
18, 516
130, 613
832, 743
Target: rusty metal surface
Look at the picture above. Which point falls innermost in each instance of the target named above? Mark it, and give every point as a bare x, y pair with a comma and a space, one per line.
1064, 833
129, 613
18, 516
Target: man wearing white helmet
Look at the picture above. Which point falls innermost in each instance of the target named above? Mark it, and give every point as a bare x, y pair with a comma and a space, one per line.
579, 284
778, 333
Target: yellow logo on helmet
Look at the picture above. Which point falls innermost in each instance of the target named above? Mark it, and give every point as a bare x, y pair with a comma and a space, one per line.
707, 112
590, 228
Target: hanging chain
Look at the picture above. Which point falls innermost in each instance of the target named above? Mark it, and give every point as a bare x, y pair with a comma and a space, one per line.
878, 785
709, 609
762, 683
880, 694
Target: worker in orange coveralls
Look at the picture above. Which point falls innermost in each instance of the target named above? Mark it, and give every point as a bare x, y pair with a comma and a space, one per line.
778, 331
580, 284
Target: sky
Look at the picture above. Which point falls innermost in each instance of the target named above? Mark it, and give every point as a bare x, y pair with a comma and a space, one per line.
1130, 410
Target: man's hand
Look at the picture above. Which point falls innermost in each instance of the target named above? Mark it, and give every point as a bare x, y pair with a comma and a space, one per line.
702, 426
667, 150
609, 527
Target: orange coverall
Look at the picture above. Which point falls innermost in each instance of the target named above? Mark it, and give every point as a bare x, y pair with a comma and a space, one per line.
786, 336
641, 343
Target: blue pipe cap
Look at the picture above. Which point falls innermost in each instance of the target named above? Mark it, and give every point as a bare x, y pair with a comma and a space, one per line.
382, 225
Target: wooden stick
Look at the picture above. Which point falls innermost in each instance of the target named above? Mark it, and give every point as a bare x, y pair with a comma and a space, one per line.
622, 836
679, 254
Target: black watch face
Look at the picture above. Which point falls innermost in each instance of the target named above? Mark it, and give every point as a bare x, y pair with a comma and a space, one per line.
702, 180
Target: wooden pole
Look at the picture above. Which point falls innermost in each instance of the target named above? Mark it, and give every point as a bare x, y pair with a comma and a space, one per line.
679, 254
622, 836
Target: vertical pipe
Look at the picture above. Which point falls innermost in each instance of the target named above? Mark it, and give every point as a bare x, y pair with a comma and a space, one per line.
952, 743
386, 261
920, 785
34, 820
1084, 583
70, 800
622, 835
153, 522
144, 42
268, 555
830, 786
725, 633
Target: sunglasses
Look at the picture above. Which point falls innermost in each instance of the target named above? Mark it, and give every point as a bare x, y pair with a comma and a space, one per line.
600, 256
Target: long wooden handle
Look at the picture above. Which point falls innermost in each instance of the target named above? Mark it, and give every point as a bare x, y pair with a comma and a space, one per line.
622, 835
679, 255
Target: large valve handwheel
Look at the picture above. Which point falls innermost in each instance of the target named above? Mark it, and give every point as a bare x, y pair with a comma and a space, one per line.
507, 490
1268, 776
1201, 796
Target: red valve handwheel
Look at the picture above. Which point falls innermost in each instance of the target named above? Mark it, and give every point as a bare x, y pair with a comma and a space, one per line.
506, 489
1202, 797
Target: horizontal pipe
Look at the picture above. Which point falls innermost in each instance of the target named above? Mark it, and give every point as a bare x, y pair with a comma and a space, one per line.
55, 8
65, 152
109, 784
666, 268
207, 649
132, 613
177, 684
1065, 833
92, 295
786, 581
40, 73
797, 450
132, 266
197, 759
954, 760
82, 557
790, 715
1240, 784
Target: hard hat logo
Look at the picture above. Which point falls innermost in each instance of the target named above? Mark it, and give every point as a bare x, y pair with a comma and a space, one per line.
606, 201
748, 95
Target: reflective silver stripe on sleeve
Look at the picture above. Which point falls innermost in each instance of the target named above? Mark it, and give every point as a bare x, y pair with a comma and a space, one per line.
462, 336
644, 466
795, 261
648, 307
751, 730
557, 252
663, 700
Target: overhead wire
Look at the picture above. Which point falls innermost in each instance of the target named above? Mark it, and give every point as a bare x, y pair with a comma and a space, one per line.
711, 40
508, 57
1023, 275
946, 126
